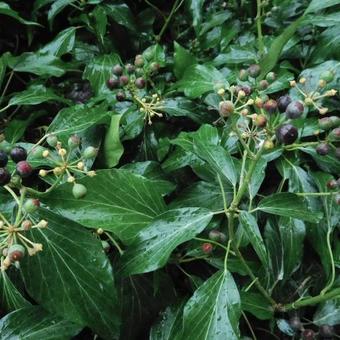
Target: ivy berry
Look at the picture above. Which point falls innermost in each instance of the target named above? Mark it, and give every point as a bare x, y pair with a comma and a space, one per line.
79, 190
294, 109
112, 83
18, 154
140, 83
16, 252
24, 169
5, 176
283, 102
286, 134
322, 149
270, 106
254, 70
31, 205
326, 331
117, 70
207, 248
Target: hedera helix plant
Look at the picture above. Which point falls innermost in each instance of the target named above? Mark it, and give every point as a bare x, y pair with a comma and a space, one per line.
169, 171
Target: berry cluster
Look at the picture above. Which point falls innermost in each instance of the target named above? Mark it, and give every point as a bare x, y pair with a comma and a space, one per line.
13, 242
132, 78
325, 331
68, 162
23, 169
266, 119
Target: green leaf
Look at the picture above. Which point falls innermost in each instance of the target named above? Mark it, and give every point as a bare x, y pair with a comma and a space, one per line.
143, 297
182, 60
37, 63
99, 70
218, 158
255, 304
100, 16
127, 203
214, 310
316, 5
10, 297
121, 14
328, 313
170, 323
161, 237
289, 205
200, 79
195, 8
113, 148
270, 60
3, 65
5, 9
34, 95
235, 55
56, 8
61, 44
32, 323
253, 233
204, 195
72, 277
77, 118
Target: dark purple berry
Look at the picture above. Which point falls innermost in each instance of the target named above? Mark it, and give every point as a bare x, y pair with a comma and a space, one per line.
120, 96
254, 70
283, 102
294, 109
295, 323
123, 80
308, 334
3, 159
129, 68
18, 154
326, 331
112, 83
247, 89
270, 106
286, 134
117, 70
5, 176
140, 83
24, 169
322, 149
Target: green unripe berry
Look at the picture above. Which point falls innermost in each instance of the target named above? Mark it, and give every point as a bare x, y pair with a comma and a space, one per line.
16, 252
334, 135
52, 140
139, 61
31, 205
270, 77
254, 70
73, 141
327, 76
79, 190
263, 84
327, 123
243, 75
90, 152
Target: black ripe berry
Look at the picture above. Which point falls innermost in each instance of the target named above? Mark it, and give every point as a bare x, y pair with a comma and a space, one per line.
3, 159
326, 331
295, 323
5, 176
18, 154
294, 109
120, 96
322, 149
112, 83
117, 70
283, 102
140, 83
24, 169
247, 89
286, 134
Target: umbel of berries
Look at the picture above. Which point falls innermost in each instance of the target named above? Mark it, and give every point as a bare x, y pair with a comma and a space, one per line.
286, 134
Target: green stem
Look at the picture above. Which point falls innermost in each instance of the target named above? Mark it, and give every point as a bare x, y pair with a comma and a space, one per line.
121, 252
311, 300
6, 86
258, 20
329, 247
175, 7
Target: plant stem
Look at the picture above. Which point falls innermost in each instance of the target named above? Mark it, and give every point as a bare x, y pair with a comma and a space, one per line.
259, 27
175, 7
6, 86
311, 300
115, 243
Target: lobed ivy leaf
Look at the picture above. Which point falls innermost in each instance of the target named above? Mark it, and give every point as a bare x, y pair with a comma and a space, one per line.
117, 201
182, 60
214, 310
161, 237
31, 323
5, 9
72, 277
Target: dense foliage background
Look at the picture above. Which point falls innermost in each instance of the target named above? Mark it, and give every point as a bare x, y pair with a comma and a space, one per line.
169, 169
